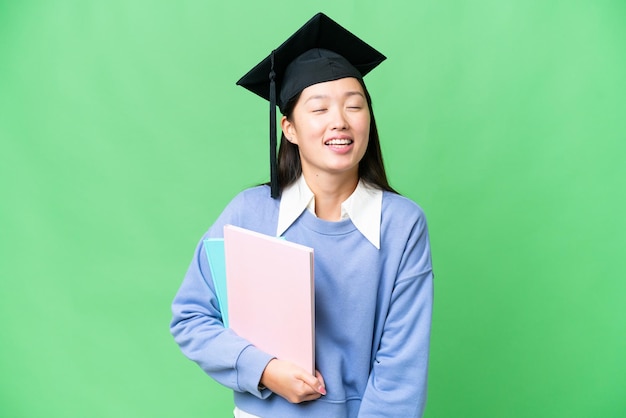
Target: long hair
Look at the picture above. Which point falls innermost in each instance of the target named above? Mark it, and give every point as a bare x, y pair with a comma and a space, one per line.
371, 166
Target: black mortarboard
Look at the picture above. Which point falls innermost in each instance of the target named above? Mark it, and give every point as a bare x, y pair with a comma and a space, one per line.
319, 51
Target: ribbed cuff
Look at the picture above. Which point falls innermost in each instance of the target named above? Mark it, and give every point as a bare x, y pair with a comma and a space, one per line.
250, 366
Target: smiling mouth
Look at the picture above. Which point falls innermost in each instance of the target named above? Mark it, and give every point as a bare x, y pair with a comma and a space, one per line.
338, 142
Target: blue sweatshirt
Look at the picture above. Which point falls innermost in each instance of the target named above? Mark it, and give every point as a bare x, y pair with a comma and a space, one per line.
372, 315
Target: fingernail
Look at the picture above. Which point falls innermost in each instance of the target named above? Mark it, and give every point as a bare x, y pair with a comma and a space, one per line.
322, 390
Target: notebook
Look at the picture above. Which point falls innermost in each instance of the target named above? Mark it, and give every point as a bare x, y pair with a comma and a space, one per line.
271, 295
214, 248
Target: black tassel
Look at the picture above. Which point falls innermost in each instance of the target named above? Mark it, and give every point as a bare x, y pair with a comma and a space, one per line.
273, 139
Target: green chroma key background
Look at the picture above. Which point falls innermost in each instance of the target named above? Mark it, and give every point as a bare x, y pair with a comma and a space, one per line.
123, 135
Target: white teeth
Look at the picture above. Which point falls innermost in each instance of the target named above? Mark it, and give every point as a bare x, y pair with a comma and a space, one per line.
339, 142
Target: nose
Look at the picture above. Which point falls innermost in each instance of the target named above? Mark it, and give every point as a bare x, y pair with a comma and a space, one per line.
339, 121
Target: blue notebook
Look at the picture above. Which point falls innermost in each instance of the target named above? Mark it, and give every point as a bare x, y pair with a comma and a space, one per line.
214, 248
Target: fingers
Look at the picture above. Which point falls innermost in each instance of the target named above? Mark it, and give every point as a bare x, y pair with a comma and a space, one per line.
319, 377
314, 382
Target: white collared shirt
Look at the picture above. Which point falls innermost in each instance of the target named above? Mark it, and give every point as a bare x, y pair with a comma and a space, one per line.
363, 208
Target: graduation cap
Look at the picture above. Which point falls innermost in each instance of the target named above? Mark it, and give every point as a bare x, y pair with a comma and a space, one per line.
321, 50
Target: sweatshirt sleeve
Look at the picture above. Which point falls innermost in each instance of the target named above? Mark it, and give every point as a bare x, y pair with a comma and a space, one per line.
198, 329
398, 379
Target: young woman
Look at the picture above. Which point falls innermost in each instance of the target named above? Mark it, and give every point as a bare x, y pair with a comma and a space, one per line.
373, 273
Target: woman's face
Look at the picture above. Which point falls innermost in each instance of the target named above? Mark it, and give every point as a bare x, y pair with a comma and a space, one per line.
330, 124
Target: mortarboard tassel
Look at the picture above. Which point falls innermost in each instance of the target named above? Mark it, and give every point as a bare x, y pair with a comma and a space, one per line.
273, 140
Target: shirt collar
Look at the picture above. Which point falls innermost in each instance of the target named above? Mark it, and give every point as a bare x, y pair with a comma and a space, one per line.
363, 207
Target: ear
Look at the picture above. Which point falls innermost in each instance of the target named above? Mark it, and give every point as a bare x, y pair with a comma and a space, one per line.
289, 130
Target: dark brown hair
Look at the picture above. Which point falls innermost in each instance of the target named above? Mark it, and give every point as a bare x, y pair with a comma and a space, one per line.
371, 167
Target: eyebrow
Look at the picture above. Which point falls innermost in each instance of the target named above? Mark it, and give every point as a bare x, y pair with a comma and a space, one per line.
325, 96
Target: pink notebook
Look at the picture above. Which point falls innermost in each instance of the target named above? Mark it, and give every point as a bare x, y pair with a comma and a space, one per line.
271, 296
